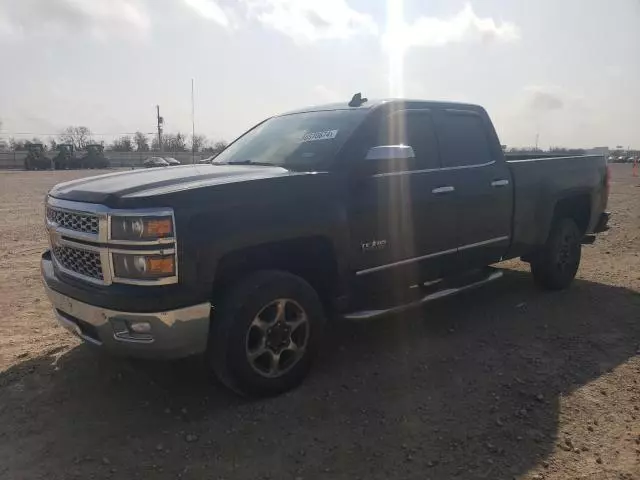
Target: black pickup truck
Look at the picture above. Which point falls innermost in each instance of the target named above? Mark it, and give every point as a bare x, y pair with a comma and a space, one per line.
346, 211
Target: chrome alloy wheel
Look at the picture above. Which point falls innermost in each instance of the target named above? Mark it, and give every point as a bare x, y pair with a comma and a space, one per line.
277, 337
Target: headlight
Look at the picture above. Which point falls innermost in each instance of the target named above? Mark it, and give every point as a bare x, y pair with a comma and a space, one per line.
141, 228
143, 267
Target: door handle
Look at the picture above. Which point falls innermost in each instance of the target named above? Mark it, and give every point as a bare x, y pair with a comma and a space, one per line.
500, 183
441, 190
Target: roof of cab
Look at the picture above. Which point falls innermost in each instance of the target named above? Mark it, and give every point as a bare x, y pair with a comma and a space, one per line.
372, 104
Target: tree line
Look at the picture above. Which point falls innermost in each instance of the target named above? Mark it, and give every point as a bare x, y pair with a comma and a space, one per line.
80, 137
554, 150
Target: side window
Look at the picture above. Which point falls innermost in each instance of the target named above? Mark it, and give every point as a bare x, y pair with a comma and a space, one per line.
463, 139
414, 128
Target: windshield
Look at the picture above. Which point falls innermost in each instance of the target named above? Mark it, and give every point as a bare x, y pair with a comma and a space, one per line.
300, 141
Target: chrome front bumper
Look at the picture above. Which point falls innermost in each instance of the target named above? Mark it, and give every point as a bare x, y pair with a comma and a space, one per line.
171, 334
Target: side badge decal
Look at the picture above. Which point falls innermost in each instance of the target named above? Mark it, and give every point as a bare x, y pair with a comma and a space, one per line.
373, 245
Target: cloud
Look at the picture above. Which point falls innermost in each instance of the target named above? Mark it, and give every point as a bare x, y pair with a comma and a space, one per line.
557, 115
437, 32
615, 71
210, 10
307, 21
100, 17
551, 98
545, 98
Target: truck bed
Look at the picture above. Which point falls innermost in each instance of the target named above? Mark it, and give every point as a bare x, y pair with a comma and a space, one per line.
540, 183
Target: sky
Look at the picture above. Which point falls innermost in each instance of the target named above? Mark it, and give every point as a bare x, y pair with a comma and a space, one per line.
566, 72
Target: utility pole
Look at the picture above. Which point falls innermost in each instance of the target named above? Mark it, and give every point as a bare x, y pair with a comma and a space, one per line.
160, 124
193, 127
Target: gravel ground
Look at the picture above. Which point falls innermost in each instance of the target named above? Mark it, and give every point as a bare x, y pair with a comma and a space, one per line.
503, 382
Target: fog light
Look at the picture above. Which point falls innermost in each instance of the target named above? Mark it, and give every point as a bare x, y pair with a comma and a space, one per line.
140, 327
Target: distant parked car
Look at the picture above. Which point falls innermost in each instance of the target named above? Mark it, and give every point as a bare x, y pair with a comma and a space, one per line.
152, 162
172, 161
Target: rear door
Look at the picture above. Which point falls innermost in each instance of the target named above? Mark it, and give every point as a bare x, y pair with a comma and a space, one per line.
470, 151
402, 215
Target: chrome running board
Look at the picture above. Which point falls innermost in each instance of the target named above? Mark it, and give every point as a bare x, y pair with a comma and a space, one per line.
446, 292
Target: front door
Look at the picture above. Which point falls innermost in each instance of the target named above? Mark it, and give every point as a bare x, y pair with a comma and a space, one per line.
401, 215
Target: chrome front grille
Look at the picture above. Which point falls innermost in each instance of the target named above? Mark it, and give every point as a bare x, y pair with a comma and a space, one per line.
78, 222
81, 245
79, 261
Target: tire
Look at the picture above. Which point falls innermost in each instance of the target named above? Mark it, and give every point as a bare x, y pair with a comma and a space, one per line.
556, 265
273, 312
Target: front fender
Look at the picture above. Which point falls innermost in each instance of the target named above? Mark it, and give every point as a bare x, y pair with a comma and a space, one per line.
266, 213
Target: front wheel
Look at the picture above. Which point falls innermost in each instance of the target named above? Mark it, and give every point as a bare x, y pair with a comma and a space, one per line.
265, 333
556, 265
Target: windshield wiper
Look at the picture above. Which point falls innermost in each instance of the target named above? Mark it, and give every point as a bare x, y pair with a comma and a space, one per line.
251, 162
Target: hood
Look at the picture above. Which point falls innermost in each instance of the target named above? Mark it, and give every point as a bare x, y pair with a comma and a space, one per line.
110, 188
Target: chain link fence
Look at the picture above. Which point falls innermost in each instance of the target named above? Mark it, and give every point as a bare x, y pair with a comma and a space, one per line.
15, 160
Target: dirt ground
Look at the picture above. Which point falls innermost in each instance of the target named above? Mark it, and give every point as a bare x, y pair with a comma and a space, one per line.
503, 382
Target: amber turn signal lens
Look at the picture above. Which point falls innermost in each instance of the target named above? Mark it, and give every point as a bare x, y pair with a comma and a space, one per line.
160, 265
158, 228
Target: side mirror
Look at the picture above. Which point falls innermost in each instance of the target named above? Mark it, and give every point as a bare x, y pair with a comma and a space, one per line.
389, 153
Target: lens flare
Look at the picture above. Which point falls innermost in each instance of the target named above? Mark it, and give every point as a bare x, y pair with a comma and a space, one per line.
395, 46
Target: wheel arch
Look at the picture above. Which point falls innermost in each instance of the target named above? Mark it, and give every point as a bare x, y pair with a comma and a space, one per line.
576, 207
313, 258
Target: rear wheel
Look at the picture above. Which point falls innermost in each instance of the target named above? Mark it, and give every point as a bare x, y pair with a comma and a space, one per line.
265, 333
556, 265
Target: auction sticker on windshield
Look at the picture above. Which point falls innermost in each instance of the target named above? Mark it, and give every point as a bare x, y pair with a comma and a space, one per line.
313, 136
